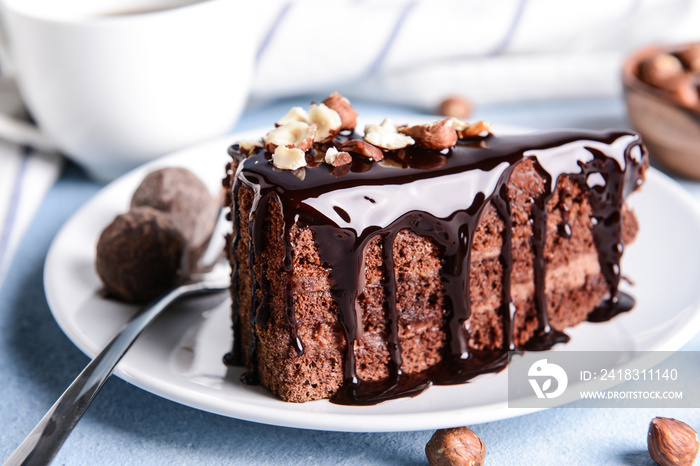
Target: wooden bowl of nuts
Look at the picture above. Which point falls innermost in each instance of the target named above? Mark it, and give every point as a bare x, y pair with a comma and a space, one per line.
662, 92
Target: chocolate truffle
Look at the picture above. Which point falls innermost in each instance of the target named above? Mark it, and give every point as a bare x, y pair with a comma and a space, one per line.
179, 192
139, 254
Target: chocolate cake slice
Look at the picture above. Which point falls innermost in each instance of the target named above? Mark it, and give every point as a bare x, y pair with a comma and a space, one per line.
367, 267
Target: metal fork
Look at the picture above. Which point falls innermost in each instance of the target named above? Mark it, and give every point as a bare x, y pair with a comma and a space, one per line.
44, 441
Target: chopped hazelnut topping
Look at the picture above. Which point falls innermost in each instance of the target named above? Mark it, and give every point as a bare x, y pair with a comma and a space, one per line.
299, 131
336, 158
327, 120
387, 136
288, 158
364, 148
471, 130
348, 115
293, 134
436, 136
247, 145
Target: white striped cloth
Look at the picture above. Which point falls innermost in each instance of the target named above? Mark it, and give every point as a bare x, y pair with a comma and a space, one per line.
418, 52
25, 177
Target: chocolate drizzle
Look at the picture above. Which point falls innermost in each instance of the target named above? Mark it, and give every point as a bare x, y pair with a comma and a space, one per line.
507, 309
545, 336
441, 196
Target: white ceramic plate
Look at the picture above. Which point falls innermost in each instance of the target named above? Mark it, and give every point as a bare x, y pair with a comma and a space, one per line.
179, 357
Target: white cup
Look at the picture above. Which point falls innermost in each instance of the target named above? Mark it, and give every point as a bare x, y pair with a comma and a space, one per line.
115, 83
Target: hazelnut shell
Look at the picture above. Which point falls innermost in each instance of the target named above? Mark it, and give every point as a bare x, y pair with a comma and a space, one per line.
672, 442
458, 446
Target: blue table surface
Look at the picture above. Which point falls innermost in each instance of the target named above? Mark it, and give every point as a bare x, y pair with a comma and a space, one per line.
126, 425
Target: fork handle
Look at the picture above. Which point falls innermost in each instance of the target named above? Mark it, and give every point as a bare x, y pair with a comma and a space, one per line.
44, 441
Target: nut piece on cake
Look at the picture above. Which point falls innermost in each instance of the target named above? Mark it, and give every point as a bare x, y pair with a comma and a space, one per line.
458, 446
387, 136
434, 136
337, 159
288, 158
471, 130
291, 134
327, 120
248, 145
300, 128
363, 148
348, 115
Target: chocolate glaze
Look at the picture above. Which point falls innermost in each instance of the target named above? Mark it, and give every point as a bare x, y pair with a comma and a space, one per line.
347, 209
545, 336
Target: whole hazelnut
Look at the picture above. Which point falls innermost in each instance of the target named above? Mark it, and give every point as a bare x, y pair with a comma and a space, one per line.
672, 442
690, 57
661, 70
685, 90
458, 446
455, 107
